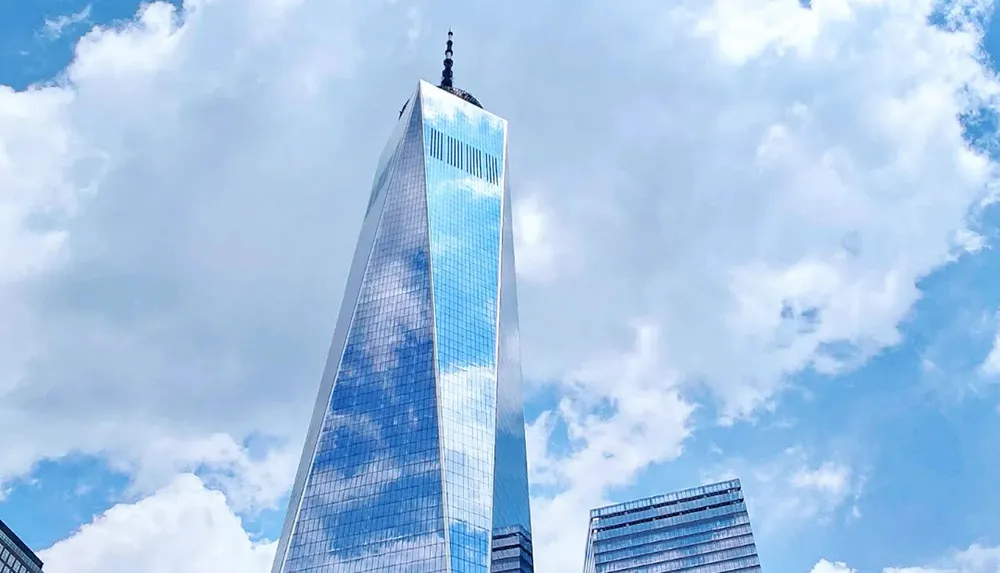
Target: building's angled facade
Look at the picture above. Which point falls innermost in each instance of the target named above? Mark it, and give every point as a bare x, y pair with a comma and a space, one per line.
15, 556
415, 452
700, 530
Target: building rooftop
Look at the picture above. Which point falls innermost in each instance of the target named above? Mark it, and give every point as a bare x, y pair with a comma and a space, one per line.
666, 498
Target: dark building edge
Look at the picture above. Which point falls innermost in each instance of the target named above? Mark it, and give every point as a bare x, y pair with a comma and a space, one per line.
20, 544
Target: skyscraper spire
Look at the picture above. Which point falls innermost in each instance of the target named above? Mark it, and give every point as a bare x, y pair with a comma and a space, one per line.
446, 75
447, 78
444, 399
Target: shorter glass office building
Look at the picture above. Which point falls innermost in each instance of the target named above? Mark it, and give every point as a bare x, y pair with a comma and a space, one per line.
700, 530
15, 556
511, 551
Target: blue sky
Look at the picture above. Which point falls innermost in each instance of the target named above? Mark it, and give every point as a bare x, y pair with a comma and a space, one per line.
767, 252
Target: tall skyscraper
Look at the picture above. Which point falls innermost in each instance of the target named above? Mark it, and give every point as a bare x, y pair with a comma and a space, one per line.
700, 530
15, 556
415, 452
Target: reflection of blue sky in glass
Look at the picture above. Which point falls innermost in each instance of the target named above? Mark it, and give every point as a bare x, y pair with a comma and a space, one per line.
373, 493
510, 476
399, 463
464, 213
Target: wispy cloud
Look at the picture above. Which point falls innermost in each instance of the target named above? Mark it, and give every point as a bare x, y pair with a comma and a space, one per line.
991, 366
54, 27
414, 17
794, 488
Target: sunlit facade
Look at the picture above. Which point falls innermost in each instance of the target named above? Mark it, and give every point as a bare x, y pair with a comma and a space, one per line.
700, 530
416, 452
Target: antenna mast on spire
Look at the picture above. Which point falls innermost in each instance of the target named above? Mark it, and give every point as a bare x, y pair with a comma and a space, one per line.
447, 78
446, 74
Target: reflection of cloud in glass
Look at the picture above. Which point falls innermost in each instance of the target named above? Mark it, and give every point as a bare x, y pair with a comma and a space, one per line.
397, 286
413, 555
455, 116
467, 408
450, 188
403, 462
373, 495
464, 224
477, 187
362, 423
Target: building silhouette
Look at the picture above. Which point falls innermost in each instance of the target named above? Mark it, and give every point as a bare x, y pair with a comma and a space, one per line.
15, 556
415, 452
700, 530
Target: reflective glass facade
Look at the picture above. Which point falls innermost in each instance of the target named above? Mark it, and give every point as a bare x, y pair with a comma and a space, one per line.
415, 452
15, 556
700, 530
512, 551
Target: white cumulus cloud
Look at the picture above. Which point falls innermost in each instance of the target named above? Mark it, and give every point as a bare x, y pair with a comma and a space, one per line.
824, 566
182, 527
974, 559
722, 194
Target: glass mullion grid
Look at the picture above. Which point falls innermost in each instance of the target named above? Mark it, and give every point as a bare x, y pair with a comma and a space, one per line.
672, 509
682, 495
691, 551
21, 559
607, 536
678, 538
717, 562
